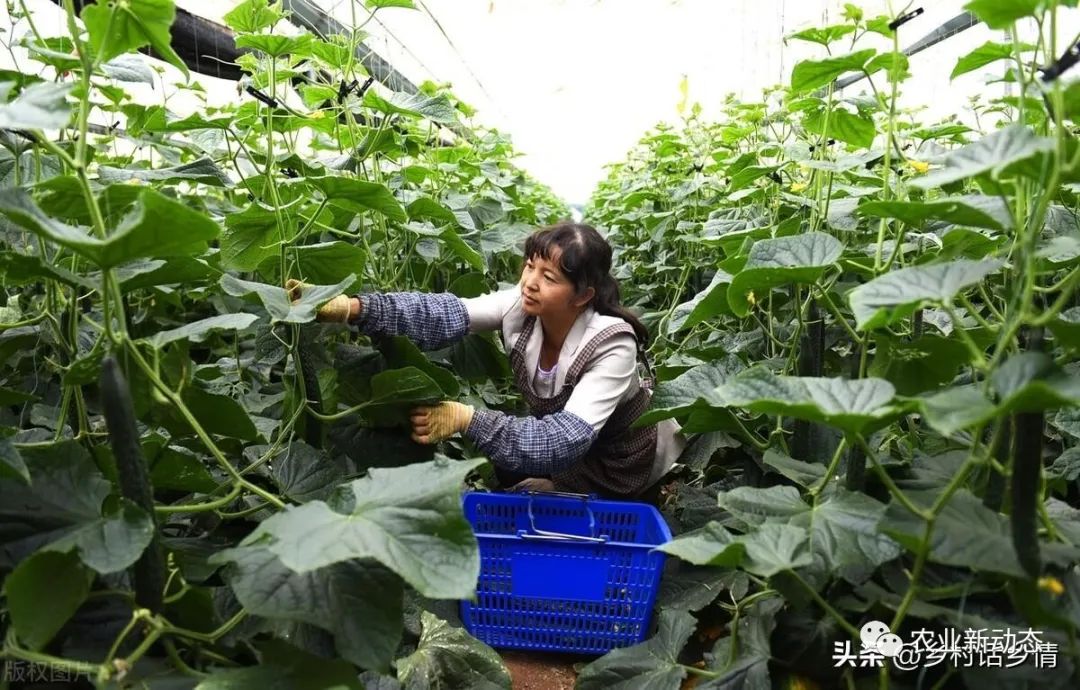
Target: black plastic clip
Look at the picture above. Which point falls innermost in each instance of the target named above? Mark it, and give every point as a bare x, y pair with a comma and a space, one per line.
904, 18
365, 87
1066, 61
260, 96
344, 90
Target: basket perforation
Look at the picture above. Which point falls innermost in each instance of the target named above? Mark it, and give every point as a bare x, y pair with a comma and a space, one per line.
563, 594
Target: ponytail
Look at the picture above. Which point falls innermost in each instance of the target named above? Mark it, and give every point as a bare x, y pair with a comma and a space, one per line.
608, 302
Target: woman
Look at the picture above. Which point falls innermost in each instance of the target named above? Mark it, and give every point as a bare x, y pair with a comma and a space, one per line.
573, 351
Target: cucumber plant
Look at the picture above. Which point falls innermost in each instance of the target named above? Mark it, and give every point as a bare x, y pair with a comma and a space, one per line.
866, 322
172, 421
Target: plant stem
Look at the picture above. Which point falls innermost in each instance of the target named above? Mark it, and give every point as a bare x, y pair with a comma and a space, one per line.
840, 620
199, 431
202, 507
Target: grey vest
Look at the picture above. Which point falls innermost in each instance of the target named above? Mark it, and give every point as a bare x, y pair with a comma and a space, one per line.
620, 460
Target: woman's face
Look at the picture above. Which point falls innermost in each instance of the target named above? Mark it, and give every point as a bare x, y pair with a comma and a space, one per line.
545, 289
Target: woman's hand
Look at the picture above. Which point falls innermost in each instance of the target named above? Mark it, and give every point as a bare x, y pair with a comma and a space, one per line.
534, 484
432, 424
340, 309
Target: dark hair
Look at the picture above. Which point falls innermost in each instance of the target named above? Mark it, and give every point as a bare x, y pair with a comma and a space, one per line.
585, 258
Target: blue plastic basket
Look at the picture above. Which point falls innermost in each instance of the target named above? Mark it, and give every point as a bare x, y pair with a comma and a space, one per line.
563, 572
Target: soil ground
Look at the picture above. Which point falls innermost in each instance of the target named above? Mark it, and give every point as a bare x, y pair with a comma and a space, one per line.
540, 670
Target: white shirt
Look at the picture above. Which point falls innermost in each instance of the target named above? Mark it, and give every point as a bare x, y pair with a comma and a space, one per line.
544, 380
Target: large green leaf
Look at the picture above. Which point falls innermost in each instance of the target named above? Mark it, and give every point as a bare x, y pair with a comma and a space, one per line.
263, 677
696, 388
202, 170
449, 237
198, 331
121, 27
39, 106
43, 592
854, 406
1026, 382
1001, 14
1033, 382
756, 506
773, 548
918, 365
63, 198
435, 108
61, 511
251, 16
895, 65
157, 226
710, 302
358, 601
12, 465
19, 269
357, 194
111, 542
857, 130
217, 413
276, 299
798, 259
305, 474
956, 408
274, 45
449, 657
1059, 251
327, 263
994, 154
973, 210
426, 208
176, 467
179, 270
986, 54
812, 74
898, 293
651, 665
711, 545
476, 357
844, 535
253, 235
1066, 327
284, 667
805, 474
400, 352
407, 518
966, 534
824, 35
692, 588
395, 391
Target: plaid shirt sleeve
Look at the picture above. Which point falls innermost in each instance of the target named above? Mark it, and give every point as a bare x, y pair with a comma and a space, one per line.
532, 446
431, 320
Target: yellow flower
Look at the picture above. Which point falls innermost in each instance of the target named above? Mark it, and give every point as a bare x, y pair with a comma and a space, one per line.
798, 186
750, 299
317, 115
797, 682
1051, 584
918, 166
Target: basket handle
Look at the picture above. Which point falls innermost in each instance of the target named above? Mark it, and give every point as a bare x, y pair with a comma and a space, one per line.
538, 533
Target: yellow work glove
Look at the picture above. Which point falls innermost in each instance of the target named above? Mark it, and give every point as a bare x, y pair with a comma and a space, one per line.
432, 424
337, 310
